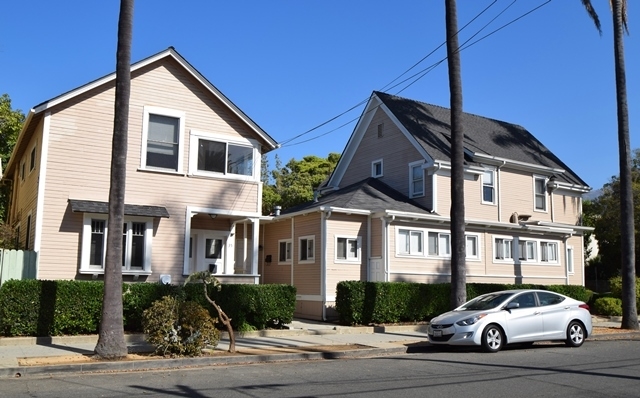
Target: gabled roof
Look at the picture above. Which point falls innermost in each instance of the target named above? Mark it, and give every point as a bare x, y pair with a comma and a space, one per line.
34, 116
370, 195
485, 139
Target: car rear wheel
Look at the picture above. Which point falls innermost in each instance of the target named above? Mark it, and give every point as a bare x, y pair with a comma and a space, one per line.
575, 334
492, 338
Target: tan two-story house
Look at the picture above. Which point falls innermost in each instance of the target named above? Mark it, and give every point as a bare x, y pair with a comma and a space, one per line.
384, 214
193, 190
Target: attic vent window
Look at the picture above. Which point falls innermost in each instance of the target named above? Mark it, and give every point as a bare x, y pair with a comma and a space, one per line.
381, 130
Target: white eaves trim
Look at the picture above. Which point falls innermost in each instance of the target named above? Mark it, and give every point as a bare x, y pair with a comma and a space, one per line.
358, 133
170, 52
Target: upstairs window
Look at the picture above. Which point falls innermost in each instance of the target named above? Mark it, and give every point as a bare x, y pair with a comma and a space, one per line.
376, 168
488, 187
416, 180
212, 155
540, 193
162, 139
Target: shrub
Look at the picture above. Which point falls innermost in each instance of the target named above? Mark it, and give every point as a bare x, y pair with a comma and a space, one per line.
179, 328
608, 306
615, 284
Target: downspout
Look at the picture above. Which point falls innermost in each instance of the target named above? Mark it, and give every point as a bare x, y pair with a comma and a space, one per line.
292, 248
368, 243
386, 255
323, 261
499, 190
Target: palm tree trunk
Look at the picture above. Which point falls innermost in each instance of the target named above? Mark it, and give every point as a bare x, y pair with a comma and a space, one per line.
111, 344
458, 271
629, 308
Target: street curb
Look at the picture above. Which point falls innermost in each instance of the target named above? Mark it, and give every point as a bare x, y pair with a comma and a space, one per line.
63, 340
183, 363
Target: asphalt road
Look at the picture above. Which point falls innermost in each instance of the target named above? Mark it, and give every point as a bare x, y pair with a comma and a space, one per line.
597, 369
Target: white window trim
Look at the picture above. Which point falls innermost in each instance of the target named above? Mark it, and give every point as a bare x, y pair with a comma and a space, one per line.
289, 242
195, 136
440, 253
571, 270
413, 165
515, 251
507, 260
309, 260
477, 257
147, 110
373, 168
400, 253
358, 257
546, 195
493, 185
86, 268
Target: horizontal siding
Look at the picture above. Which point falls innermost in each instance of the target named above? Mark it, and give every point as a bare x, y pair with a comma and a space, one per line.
342, 225
516, 196
566, 208
274, 272
79, 160
376, 237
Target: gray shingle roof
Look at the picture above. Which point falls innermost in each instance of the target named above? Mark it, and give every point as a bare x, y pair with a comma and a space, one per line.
369, 194
430, 125
90, 206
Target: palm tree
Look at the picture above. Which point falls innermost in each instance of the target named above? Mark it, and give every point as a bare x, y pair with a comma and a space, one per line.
111, 344
458, 270
627, 231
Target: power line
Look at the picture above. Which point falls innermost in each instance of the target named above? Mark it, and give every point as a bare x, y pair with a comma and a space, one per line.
420, 74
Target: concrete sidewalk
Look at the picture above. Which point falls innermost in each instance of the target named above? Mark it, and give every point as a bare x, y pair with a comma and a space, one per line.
303, 340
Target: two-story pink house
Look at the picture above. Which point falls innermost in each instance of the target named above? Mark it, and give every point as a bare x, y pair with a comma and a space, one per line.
384, 213
193, 190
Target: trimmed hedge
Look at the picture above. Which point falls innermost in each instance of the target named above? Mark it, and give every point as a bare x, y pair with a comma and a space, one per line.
615, 284
363, 303
608, 306
54, 308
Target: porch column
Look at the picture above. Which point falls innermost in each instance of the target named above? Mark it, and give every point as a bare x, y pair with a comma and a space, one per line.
255, 232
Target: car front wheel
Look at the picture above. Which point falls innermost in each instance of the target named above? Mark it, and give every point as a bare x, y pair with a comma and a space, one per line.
492, 338
575, 334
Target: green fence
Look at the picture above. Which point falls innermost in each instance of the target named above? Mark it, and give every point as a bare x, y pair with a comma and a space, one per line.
17, 264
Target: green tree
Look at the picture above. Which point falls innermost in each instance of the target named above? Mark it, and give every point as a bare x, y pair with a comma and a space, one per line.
458, 254
603, 213
295, 183
111, 344
627, 229
11, 121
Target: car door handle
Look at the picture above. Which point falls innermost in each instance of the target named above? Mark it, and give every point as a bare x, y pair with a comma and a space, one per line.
537, 313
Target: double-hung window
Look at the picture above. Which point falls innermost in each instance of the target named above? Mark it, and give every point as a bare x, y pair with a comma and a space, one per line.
306, 249
162, 134
540, 193
347, 249
439, 244
503, 249
527, 250
376, 168
284, 250
488, 187
32, 159
136, 245
471, 246
570, 268
416, 179
410, 242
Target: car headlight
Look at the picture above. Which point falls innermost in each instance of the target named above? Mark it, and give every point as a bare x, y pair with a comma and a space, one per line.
470, 321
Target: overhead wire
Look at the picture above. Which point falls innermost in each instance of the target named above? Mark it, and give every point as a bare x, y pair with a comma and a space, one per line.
420, 74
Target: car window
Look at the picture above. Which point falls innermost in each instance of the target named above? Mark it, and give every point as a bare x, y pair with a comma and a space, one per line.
486, 302
547, 298
526, 300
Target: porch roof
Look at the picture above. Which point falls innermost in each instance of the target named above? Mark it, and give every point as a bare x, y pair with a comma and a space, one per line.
91, 206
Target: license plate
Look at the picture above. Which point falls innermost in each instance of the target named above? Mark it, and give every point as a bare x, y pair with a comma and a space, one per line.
437, 333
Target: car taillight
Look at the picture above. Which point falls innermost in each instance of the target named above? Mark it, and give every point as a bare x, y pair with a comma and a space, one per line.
585, 306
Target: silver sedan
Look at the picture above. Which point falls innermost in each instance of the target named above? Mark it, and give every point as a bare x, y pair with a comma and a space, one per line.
513, 316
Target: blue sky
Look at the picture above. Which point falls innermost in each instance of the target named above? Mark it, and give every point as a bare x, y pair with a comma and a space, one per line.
293, 65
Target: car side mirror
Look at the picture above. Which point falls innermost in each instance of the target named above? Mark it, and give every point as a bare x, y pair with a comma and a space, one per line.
512, 305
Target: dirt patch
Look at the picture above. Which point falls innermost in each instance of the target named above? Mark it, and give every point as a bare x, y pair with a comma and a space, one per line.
90, 358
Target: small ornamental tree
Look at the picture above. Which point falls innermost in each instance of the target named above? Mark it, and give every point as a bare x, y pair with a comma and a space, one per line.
208, 279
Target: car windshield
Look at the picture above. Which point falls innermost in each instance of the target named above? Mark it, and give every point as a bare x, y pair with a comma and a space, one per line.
486, 302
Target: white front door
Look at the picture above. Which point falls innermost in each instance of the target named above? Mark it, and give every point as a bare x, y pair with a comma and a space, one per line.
207, 251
